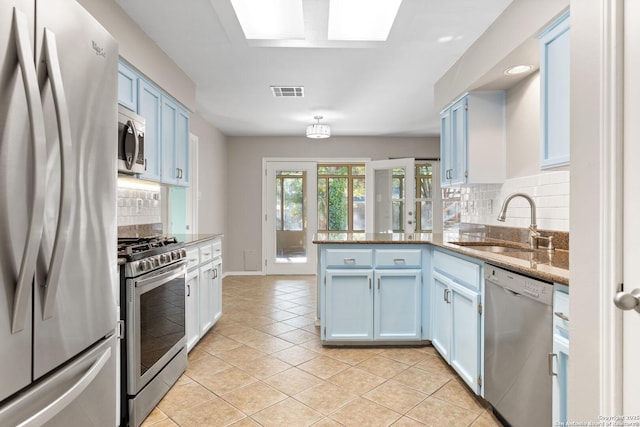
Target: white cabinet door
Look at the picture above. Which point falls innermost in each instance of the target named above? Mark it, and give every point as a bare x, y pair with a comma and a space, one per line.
206, 298
349, 305
192, 318
440, 314
397, 305
464, 351
217, 290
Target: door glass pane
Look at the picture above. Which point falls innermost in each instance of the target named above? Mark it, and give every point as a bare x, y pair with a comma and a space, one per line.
358, 204
338, 204
291, 242
322, 204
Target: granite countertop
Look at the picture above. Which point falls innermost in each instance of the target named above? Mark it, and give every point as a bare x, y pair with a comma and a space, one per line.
122, 261
553, 266
192, 239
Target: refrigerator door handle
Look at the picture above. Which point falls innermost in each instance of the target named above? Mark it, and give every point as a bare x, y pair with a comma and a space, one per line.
38, 139
55, 407
67, 164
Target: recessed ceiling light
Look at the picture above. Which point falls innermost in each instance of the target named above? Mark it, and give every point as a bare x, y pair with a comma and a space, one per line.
270, 19
362, 20
517, 69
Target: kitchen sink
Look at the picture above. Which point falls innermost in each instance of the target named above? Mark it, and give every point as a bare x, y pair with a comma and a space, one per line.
495, 247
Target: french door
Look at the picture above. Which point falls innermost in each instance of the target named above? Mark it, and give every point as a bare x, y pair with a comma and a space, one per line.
631, 201
390, 196
290, 216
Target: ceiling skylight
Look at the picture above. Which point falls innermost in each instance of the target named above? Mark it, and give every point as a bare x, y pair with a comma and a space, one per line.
270, 19
367, 20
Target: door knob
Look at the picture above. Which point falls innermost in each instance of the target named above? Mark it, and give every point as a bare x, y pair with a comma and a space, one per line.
628, 300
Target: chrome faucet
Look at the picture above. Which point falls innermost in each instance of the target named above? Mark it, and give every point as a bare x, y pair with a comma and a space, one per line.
533, 228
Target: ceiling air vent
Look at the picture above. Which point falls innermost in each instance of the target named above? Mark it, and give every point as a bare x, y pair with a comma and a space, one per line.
288, 91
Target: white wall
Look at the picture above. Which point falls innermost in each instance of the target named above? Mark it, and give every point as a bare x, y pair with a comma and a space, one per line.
516, 26
142, 52
587, 240
549, 188
212, 177
244, 171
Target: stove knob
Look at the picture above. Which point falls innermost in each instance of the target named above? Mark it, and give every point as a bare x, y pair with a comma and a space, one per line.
143, 265
175, 255
163, 259
183, 253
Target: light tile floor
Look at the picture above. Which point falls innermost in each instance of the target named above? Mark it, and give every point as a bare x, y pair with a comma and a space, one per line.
263, 364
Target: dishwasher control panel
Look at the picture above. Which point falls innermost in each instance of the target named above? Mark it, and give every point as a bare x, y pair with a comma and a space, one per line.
535, 289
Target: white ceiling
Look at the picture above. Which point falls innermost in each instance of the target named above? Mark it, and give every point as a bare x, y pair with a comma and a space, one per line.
364, 89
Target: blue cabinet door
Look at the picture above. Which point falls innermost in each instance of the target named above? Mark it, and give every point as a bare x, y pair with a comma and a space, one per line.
127, 87
440, 314
349, 305
445, 146
397, 305
182, 146
149, 107
458, 145
554, 94
465, 334
169, 132
453, 143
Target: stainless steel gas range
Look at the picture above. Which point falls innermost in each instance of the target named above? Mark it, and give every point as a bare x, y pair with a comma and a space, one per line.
152, 308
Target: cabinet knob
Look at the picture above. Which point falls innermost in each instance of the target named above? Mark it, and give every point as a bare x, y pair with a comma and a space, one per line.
628, 300
550, 357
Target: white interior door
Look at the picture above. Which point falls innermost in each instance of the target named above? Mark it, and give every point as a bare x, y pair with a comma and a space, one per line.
290, 212
390, 196
631, 197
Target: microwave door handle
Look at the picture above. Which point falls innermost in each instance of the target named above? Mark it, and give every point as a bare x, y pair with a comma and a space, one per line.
21, 32
67, 165
136, 146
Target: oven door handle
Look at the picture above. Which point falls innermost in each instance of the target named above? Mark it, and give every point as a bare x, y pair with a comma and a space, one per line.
151, 282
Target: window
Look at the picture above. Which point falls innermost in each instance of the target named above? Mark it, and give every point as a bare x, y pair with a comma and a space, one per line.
341, 197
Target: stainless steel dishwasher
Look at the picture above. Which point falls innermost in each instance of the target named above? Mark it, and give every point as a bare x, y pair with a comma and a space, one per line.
518, 340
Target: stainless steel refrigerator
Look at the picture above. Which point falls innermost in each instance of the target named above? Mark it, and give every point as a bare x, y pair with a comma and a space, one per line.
58, 134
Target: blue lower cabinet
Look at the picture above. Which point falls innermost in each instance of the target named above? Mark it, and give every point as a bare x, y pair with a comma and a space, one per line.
440, 315
465, 335
349, 305
456, 315
397, 305
360, 302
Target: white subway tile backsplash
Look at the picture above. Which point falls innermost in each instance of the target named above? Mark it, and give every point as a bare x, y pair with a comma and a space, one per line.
138, 203
481, 204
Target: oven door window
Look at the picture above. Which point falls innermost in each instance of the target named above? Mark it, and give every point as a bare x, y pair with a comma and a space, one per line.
162, 322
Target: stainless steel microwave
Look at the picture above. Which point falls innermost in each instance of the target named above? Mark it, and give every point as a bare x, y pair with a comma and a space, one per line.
131, 158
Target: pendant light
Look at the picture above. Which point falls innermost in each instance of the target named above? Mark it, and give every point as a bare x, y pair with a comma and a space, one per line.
318, 131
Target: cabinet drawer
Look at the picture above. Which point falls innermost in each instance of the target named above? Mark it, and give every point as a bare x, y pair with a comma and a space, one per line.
193, 257
206, 253
349, 258
561, 314
462, 271
404, 258
217, 249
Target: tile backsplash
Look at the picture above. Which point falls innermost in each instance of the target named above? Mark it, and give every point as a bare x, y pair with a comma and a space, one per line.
138, 203
480, 204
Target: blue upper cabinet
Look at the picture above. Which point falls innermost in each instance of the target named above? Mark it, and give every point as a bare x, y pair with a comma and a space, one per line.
149, 102
166, 127
170, 172
472, 140
127, 87
182, 147
554, 96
